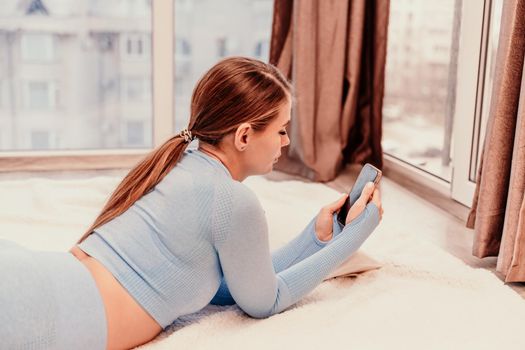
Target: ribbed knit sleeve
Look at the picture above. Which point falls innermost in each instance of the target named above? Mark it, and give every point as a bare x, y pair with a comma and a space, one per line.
258, 285
302, 246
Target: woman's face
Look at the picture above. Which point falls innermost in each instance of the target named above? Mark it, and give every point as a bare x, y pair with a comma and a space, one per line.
264, 147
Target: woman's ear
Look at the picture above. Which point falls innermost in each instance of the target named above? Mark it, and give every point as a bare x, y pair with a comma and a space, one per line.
242, 135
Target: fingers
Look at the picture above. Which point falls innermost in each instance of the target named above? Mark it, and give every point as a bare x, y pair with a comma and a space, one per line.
367, 192
361, 202
335, 206
376, 199
332, 207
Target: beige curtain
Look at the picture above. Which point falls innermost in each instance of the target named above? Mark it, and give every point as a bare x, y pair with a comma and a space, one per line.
498, 210
334, 53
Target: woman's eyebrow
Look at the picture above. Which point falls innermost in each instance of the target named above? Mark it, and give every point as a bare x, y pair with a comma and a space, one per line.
288, 122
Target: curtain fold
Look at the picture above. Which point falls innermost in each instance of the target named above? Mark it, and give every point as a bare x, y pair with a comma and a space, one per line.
498, 209
334, 52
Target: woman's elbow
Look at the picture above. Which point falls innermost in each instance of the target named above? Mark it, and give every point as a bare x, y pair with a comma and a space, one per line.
259, 311
258, 314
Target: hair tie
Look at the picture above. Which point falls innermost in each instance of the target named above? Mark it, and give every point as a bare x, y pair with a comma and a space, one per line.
186, 135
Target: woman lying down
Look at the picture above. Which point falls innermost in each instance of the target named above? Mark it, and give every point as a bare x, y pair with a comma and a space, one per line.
181, 231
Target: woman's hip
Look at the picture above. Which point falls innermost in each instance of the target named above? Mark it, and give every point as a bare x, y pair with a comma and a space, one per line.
49, 300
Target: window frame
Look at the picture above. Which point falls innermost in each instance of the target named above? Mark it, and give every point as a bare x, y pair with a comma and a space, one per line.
162, 92
472, 99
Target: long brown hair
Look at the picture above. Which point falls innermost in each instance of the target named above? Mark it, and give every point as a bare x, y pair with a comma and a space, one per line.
234, 91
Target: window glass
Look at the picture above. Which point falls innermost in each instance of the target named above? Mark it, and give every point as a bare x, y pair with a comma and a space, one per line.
77, 70
420, 80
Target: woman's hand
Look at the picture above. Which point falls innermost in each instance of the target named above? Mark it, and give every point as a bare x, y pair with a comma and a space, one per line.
370, 194
324, 222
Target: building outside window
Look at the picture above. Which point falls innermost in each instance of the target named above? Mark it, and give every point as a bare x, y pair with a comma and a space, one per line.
62, 64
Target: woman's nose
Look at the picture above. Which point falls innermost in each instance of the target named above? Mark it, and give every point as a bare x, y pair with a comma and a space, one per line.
286, 141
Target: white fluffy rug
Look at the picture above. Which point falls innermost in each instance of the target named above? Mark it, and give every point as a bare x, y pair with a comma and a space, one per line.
422, 297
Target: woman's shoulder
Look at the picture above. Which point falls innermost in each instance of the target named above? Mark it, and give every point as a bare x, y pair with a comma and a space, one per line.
245, 193
237, 209
236, 198
246, 202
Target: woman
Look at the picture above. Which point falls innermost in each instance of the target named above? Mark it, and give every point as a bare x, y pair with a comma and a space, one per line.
181, 231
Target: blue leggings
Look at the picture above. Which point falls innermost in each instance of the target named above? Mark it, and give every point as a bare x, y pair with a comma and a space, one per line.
48, 300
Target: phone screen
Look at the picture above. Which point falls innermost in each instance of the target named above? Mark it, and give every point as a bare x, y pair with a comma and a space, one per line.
369, 173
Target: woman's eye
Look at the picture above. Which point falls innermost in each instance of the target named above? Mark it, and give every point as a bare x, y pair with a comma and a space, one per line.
283, 132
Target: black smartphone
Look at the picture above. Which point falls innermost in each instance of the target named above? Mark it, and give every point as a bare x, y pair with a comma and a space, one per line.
369, 173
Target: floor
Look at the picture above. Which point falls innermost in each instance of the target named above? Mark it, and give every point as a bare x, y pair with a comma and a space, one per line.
442, 228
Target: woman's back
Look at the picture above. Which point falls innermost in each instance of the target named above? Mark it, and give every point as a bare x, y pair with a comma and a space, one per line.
162, 248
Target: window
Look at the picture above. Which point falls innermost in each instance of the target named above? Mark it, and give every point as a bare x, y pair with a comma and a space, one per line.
37, 47
88, 108
417, 104
262, 49
437, 88
40, 140
135, 46
215, 29
81, 82
182, 57
95, 68
40, 95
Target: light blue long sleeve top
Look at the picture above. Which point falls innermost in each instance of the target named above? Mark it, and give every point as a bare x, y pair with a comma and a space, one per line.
200, 236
